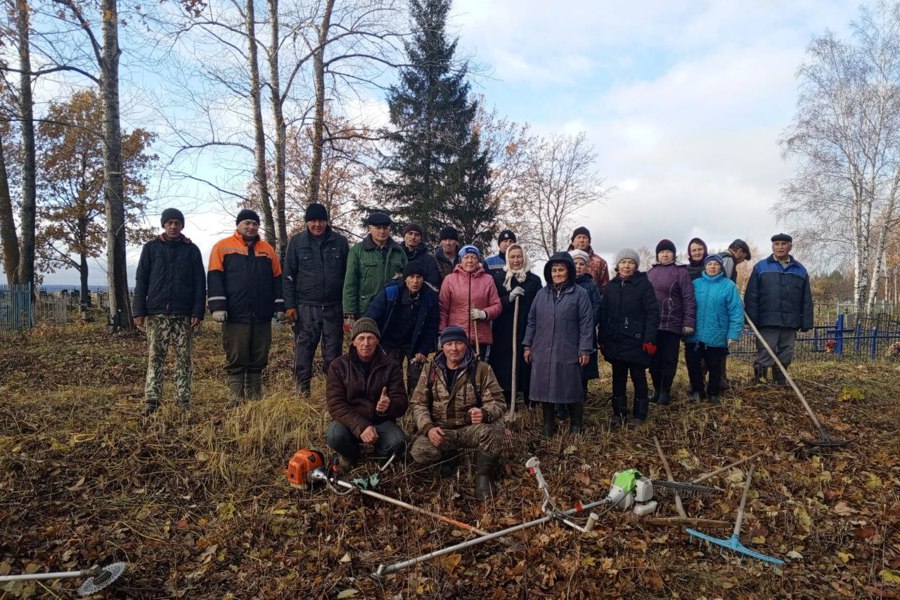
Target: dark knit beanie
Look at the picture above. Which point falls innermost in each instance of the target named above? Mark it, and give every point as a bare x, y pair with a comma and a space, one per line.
246, 215
449, 233
454, 333
581, 231
315, 212
414, 227
172, 213
714, 257
364, 325
413, 268
506, 234
665, 245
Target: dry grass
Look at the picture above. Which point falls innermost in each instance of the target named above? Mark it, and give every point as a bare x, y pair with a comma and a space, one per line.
198, 504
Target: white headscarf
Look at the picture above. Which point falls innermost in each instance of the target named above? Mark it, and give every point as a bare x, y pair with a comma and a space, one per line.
520, 274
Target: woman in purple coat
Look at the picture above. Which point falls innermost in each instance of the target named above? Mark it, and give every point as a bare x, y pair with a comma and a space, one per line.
677, 311
559, 339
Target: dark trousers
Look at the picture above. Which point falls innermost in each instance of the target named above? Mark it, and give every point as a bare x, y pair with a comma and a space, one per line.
315, 323
695, 355
664, 363
246, 346
620, 372
391, 440
413, 369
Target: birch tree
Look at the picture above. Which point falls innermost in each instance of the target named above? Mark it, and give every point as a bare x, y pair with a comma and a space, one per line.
846, 139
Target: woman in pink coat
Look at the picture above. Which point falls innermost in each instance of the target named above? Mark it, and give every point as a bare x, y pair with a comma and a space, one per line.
469, 297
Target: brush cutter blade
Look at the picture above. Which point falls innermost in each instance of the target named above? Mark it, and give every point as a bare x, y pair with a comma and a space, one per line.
685, 490
826, 442
101, 577
734, 544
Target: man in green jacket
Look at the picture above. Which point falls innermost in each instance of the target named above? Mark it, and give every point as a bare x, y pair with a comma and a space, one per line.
371, 264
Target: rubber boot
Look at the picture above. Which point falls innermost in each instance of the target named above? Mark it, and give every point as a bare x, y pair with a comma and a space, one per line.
576, 417
713, 399
664, 398
778, 376
485, 475
759, 374
549, 419
449, 464
253, 386
641, 407
619, 408
303, 388
235, 389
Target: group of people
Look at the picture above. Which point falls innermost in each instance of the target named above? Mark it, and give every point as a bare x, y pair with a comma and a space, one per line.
468, 331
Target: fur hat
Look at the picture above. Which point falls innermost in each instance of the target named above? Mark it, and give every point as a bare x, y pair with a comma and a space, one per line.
170, 214
364, 325
246, 215
628, 253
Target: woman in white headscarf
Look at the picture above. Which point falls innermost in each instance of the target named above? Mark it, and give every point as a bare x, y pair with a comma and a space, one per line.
515, 281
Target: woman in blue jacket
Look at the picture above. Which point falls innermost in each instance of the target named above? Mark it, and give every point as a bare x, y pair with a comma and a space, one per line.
720, 317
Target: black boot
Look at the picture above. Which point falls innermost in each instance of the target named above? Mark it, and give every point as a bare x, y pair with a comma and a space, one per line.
639, 415
235, 389
778, 376
449, 464
664, 398
549, 419
253, 386
713, 399
485, 475
619, 408
759, 374
576, 417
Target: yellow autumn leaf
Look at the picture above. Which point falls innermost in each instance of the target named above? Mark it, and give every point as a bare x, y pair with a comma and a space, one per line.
225, 511
874, 482
890, 576
844, 556
451, 561
759, 539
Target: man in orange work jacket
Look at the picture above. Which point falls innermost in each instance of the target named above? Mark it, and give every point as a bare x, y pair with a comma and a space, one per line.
244, 287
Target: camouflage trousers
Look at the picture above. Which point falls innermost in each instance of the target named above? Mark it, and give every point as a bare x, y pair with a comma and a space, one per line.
164, 331
486, 437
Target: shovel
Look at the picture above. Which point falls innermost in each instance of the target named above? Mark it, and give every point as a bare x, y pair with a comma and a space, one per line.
824, 440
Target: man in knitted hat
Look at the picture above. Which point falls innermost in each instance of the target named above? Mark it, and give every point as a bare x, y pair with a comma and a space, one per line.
169, 291
365, 396
371, 263
407, 312
245, 293
446, 252
581, 240
458, 404
416, 252
779, 302
314, 267
496, 262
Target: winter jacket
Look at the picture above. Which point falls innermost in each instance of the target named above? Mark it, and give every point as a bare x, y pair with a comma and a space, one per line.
475, 387
170, 279
351, 397
368, 269
586, 281
314, 269
244, 279
560, 329
674, 295
597, 267
444, 264
502, 329
495, 262
728, 265
629, 317
421, 256
386, 306
462, 291
720, 313
779, 296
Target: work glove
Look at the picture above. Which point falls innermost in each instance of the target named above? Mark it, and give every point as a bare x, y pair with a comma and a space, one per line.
519, 291
279, 316
649, 348
220, 316
478, 314
687, 330
290, 315
349, 319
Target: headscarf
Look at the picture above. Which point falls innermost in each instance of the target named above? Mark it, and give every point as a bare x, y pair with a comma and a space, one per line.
518, 275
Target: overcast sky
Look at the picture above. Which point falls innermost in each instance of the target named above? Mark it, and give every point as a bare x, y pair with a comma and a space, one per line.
683, 100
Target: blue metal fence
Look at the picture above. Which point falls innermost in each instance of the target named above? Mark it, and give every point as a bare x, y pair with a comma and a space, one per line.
16, 307
850, 336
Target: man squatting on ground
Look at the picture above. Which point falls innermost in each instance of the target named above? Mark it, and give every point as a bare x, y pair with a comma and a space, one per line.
244, 282
169, 293
365, 396
314, 268
459, 404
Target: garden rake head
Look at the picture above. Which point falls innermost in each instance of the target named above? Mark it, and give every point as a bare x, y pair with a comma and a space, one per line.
733, 543
685, 490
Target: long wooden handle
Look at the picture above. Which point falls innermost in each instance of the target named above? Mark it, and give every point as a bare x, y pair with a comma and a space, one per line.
740, 515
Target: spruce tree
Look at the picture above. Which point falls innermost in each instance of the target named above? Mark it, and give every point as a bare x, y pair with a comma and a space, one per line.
435, 177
